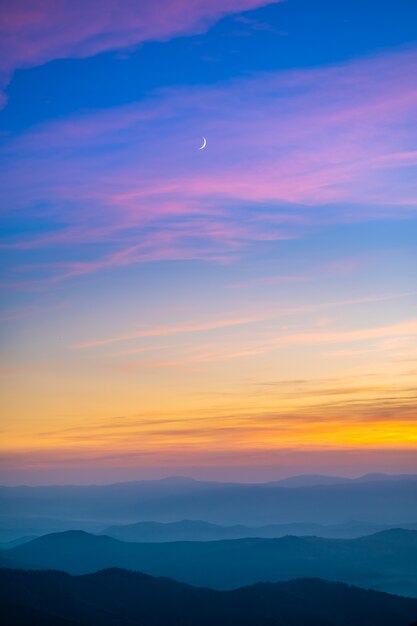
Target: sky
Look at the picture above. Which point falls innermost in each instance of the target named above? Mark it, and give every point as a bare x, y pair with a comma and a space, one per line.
243, 312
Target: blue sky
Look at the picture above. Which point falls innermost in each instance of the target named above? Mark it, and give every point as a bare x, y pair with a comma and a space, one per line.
145, 279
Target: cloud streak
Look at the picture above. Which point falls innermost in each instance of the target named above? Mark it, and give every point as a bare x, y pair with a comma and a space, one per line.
33, 32
286, 152
243, 320
216, 353
356, 423
169, 330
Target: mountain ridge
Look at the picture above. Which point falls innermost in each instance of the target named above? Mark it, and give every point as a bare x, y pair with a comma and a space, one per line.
385, 561
199, 530
380, 501
296, 480
114, 596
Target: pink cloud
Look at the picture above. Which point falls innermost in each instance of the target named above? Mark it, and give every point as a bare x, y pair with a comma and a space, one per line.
285, 151
33, 32
217, 352
170, 330
269, 340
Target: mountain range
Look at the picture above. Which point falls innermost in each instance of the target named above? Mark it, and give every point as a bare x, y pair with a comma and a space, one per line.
114, 597
386, 561
381, 500
197, 530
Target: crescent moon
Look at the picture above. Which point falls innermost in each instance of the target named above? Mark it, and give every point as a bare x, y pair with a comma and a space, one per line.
204, 144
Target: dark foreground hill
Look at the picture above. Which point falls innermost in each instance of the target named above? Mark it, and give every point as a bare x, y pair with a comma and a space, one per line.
386, 561
114, 597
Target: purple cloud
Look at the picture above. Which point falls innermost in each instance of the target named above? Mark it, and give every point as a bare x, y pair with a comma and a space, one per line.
33, 32
285, 150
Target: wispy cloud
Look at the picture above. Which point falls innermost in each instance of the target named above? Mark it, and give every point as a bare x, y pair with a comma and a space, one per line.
336, 267
408, 327
33, 33
275, 313
276, 341
325, 146
358, 419
169, 330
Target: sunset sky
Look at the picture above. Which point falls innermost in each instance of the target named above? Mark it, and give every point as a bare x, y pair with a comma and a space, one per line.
243, 312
